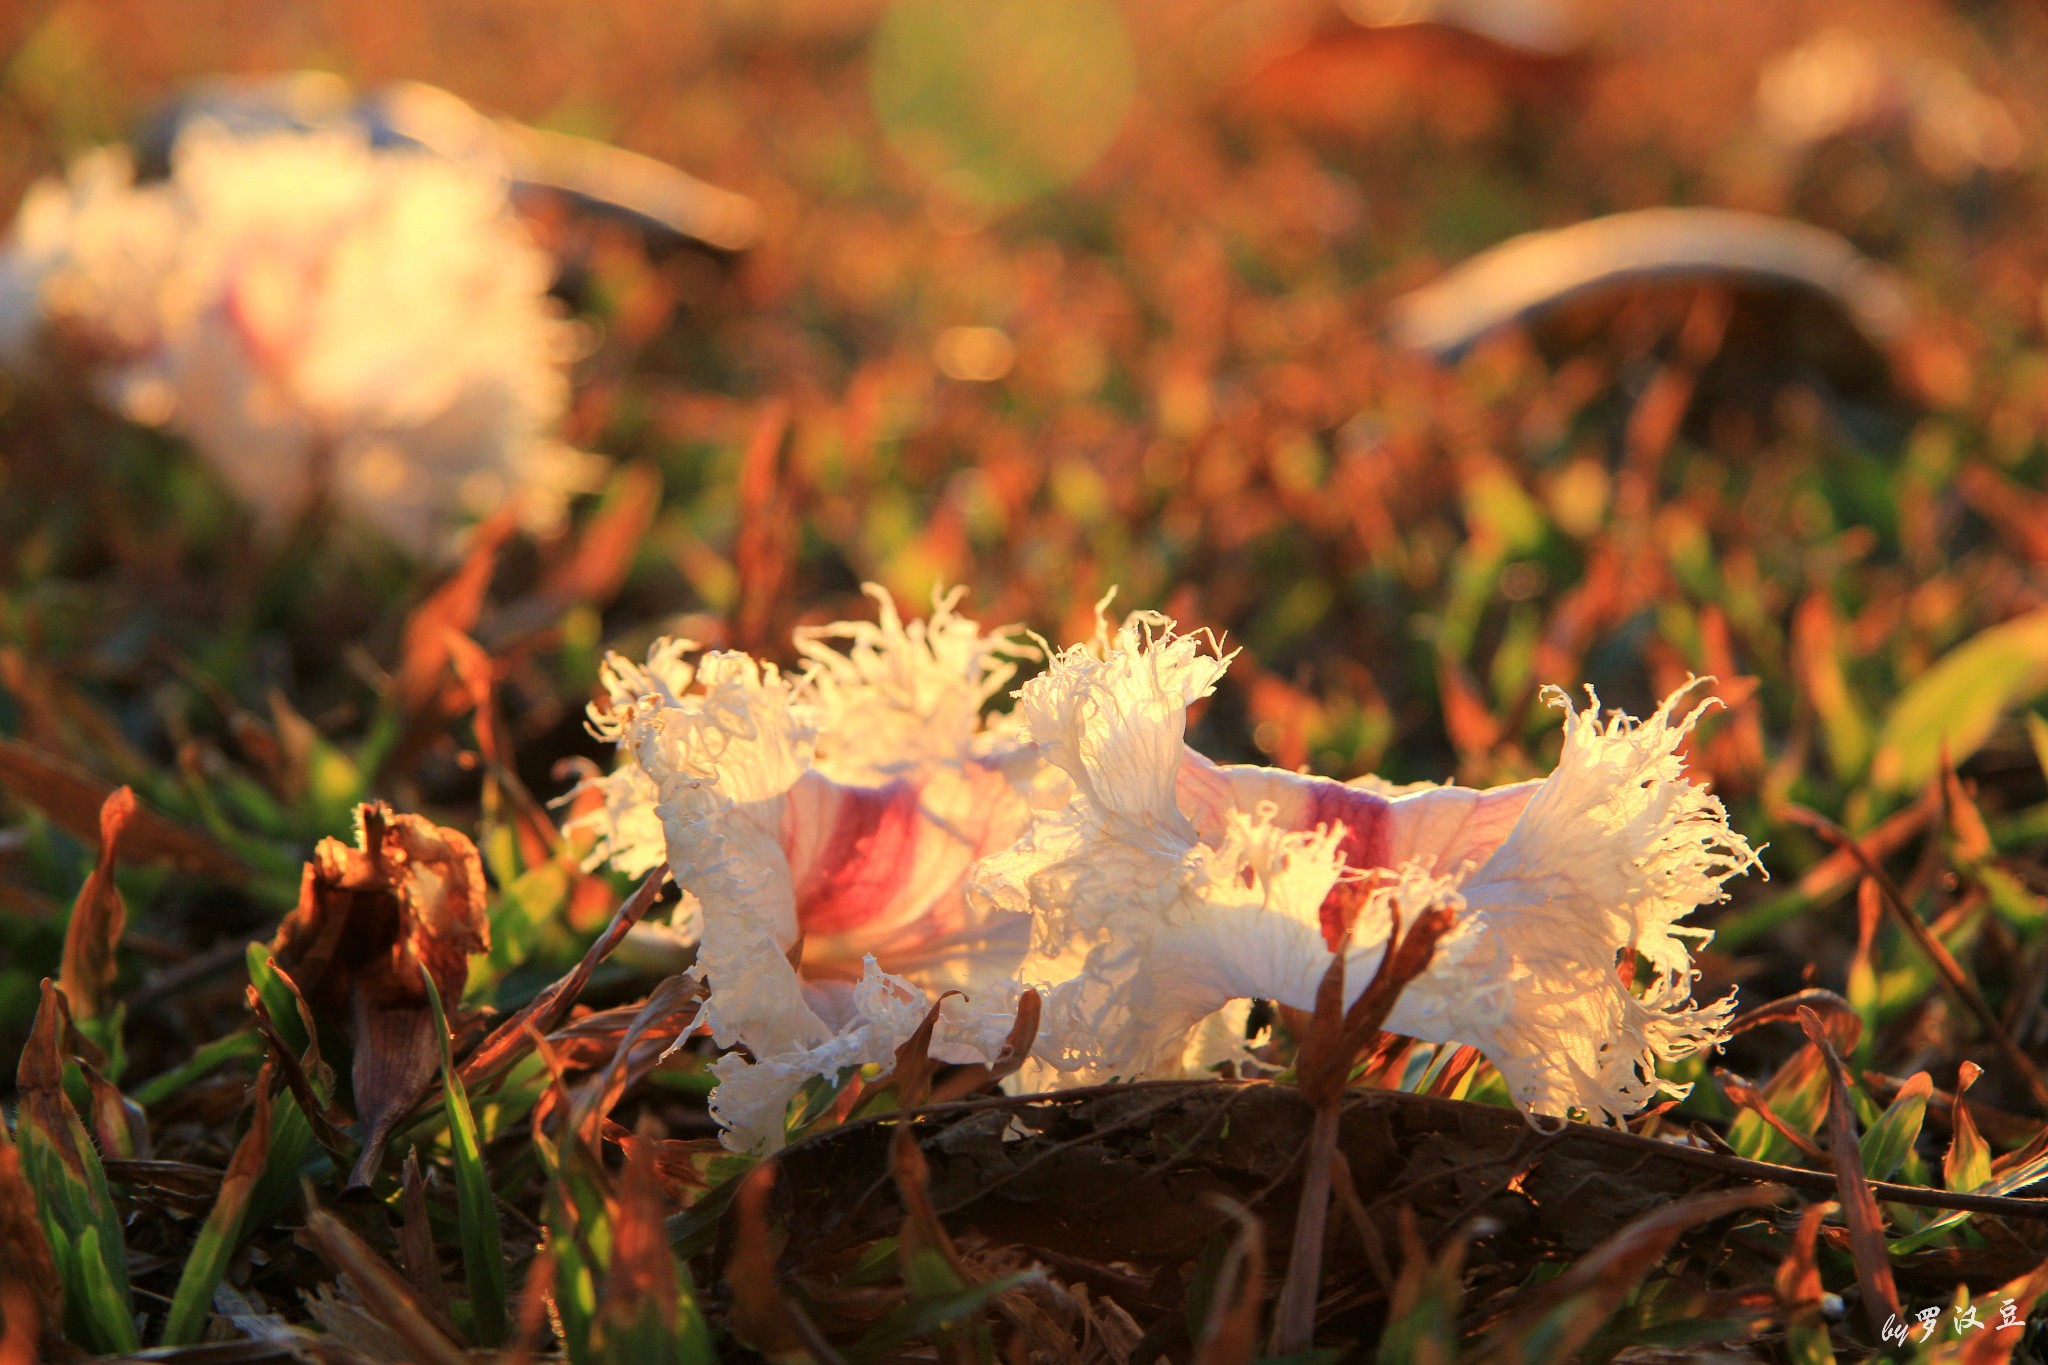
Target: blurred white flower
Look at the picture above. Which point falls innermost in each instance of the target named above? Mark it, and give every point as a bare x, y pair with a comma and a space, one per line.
823, 827
1838, 82
319, 317
84, 264
1169, 888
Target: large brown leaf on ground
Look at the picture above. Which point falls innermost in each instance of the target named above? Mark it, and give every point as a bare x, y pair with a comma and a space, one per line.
409, 898
1131, 1173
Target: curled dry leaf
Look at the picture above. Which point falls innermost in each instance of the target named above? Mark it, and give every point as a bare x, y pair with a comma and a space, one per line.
1859, 1204
98, 918
1539, 270
409, 897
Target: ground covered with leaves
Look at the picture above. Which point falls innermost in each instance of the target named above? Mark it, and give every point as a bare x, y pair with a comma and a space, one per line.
1173, 376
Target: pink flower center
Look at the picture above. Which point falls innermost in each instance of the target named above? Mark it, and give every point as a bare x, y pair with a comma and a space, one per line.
1365, 847
862, 863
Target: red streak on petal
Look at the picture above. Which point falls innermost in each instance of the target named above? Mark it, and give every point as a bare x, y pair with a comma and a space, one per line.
863, 863
1364, 816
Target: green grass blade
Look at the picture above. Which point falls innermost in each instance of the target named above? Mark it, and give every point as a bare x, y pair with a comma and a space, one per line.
927, 1314
217, 1053
192, 1304
483, 1253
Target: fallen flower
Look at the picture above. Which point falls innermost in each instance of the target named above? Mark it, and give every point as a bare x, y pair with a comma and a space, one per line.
323, 319
824, 826
1179, 887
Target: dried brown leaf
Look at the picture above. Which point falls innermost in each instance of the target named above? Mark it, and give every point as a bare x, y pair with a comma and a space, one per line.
761, 553
20, 1322
1859, 1204
294, 1072
539, 840
1798, 1283
760, 1317
605, 549
74, 800
452, 607
98, 919
383, 1291
912, 1069
671, 1008
1016, 1051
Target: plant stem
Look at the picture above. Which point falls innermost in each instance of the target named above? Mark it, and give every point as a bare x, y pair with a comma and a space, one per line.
1294, 1316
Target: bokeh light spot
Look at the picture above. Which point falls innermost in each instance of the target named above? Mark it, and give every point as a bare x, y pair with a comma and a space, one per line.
1000, 101
977, 354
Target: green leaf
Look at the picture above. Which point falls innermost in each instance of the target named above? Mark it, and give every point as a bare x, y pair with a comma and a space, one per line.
1968, 1164
692, 1231
63, 1171
220, 1051
1959, 701
281, 1000
923, 1316
294, 1154
1798, 1095
1888, 1140
208, 1260
483, 1253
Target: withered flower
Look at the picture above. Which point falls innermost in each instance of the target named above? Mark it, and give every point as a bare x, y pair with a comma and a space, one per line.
369, 918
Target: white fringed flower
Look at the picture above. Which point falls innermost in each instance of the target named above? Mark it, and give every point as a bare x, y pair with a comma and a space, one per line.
624, 829
829, 881
1179, 887
898, 697
752, 1099
320, 318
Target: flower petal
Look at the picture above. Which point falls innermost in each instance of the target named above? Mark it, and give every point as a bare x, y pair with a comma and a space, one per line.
753, 1096
1614, 849
901, 696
